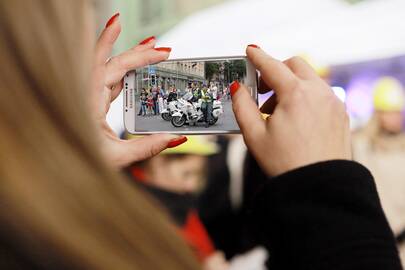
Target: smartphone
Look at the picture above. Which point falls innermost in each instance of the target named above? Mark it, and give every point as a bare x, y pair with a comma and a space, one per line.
186, 96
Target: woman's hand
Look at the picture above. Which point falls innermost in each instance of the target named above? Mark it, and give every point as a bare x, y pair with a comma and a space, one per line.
308, 123
107, 83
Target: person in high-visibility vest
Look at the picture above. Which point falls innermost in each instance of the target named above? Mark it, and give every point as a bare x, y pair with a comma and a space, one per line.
207, 105
196, 93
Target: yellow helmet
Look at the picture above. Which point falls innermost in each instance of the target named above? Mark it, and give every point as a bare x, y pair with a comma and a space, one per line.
388, 95
195, 145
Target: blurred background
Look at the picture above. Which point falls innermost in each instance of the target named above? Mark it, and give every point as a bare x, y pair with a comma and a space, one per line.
357, 46
355, 41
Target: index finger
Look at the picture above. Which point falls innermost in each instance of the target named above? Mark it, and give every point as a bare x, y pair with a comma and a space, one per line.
105, 42
121, 64
275, 74
247, 113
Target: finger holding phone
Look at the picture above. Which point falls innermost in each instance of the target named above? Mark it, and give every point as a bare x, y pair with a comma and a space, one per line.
107, 84
308, 123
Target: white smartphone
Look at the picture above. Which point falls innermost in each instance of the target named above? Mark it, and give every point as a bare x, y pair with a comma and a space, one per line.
186, 96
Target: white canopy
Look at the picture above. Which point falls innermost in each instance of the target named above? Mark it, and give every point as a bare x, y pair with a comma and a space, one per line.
329, 31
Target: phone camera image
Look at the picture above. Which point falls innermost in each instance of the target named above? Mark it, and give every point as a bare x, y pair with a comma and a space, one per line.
187, 96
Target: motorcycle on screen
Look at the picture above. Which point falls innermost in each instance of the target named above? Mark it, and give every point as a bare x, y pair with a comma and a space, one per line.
170, 108
191, 113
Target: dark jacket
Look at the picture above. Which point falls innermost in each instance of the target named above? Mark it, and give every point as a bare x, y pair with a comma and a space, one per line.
172, 96
324, 216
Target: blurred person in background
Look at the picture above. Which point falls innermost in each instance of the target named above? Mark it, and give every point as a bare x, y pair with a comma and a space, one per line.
380, 146
65, 206
233, 180
175, 178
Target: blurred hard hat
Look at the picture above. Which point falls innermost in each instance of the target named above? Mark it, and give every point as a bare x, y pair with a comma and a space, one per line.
195, 145
388, 95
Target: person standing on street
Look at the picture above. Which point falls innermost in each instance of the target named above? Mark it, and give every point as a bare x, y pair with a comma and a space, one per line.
172, 95
162, 91
207, 105
214, 90
196, 93
160, 103
155, 93
149, 103
142, 102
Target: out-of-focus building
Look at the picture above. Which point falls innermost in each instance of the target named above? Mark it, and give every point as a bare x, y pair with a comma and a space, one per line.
143, 18
171, 74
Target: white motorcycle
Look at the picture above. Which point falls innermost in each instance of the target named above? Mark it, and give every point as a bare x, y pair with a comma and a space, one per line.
175, 104
167, 112
189, 113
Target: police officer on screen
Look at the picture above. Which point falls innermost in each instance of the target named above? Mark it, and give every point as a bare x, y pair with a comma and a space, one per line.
207, 105
172, 95
196, 93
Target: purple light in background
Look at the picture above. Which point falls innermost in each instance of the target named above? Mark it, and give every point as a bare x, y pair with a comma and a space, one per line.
359, 99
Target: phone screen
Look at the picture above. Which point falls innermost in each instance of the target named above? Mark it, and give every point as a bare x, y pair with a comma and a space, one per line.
188, 96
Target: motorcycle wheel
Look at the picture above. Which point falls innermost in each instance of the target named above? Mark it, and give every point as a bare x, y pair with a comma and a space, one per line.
213, 120
178, 121
166, 116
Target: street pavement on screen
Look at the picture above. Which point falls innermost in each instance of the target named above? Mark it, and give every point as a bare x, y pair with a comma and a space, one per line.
155, 122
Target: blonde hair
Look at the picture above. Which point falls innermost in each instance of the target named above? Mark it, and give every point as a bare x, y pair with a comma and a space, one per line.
60, 204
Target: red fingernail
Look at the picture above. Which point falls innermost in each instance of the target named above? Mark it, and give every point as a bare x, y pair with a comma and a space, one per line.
147, 40
234, 87
163, 49
112, 20
254, 46
176, 142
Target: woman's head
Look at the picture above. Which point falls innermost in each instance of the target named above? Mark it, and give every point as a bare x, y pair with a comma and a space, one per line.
61, 205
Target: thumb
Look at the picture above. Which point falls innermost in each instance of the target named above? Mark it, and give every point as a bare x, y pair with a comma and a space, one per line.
247, 113
149, 146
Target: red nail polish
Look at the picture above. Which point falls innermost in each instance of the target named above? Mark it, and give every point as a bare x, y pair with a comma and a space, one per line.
234, 87
147, 40
176, 142
163, 49
112, 20
254, 46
